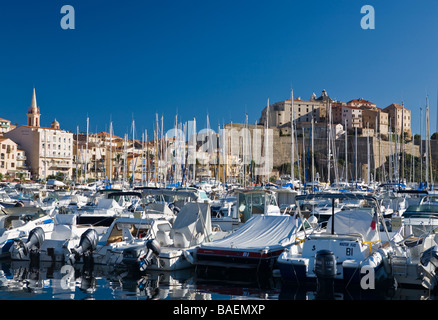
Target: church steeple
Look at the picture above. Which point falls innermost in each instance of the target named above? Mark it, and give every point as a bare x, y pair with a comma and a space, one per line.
33, 114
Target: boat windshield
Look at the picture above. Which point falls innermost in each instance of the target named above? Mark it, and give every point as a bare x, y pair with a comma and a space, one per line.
433, 200
421, 211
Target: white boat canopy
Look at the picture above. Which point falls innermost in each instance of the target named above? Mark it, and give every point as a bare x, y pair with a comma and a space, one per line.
260, 232
192, 225
354, 222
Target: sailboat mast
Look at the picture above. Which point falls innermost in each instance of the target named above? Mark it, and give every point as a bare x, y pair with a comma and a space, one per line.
346, 153
265, 144
402, 145
133, 152
421, 144
111, 153
429, 157
77, 152
156, 149
374, 150
147, 155
368, 153
329, 144
292, 136
355, 155
313, 156
427, 143
86, 154
194, 151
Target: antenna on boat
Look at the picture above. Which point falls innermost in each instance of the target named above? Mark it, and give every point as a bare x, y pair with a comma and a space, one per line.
333, 215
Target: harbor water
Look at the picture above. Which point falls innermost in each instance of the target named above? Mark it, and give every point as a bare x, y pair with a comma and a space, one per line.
22, 281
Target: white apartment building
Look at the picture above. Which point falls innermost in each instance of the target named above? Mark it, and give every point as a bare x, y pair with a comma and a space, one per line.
8, 156
48, 150
5, 126
352, 116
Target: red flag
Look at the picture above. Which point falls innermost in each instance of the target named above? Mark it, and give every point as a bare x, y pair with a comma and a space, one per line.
374, 222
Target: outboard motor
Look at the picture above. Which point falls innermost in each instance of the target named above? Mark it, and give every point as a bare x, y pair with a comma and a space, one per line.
174, 208
430, 256
325, 271
34, 241
153, 248
87, 244
140, 256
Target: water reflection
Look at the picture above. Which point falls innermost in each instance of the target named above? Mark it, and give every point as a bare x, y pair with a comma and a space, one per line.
53, 281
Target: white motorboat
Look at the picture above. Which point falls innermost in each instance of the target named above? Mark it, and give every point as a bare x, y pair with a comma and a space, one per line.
248, 203
17, 223
255, 246
178, 242
413, 260
422, 218
102, 213
127, 242
54, 246
351, 242
6, 201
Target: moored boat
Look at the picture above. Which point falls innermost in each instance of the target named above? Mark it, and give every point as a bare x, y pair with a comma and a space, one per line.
350, 245
255, 246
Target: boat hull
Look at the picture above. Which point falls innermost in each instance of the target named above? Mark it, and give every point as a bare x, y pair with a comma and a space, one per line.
173, 259
353, 275
237, 259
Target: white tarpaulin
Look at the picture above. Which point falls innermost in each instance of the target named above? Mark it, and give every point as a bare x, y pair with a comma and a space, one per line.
260, 231
193, 222
108, 204
354, 221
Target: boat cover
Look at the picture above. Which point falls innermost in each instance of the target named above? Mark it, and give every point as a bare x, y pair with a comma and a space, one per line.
354, 221
193, 222
158, 207
108, 204
259, 232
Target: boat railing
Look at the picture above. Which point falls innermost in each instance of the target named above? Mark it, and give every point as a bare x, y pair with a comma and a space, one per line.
341, 237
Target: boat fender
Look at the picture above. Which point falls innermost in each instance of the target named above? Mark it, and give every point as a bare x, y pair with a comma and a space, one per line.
188, 257
313, 221
88, 243
19, 204
385, 253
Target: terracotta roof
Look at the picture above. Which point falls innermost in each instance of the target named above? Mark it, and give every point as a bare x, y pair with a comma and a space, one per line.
394, 105
106, 134
360, 100
351, 107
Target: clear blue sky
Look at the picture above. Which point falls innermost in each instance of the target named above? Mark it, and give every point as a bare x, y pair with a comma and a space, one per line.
136, 58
